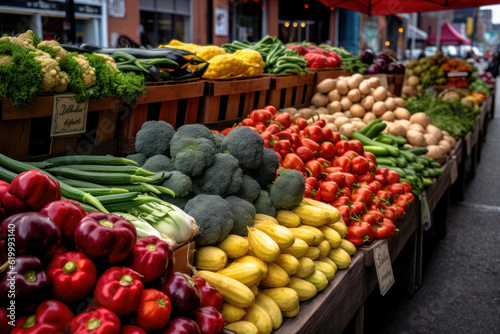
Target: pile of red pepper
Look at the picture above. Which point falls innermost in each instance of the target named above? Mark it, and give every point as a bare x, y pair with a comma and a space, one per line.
338, 172
66, 271
317, 57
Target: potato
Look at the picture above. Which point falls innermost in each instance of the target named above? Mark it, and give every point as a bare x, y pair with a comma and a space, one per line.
342, 87
322, 111
306, 112
450, 140
357, 110
435, 152
327, 118
396, 129
338, 114
332, 127
388, 116
341, 121
401, 113
374, 82
364, 87
435, 131
326, 85
415, 138
399, 102
356, 119
346, 103
420, 118
290, 111
354, 82
445, 145
430, 139
403, 122
379, 108
380, 94
358, 125
369, 116
319, 100
334, 106
368, 102
417, 127
354, 95
358, 76
334, 95
347, 130
389, 94
348, 114
390, 104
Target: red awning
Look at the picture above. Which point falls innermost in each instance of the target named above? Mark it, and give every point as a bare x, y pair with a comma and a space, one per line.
449, 36
389, 7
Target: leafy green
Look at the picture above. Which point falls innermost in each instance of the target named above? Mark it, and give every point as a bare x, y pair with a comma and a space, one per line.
73, 69
127, 86
21, 79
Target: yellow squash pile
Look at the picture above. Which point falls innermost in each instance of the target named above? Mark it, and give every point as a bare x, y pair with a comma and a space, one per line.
283, 261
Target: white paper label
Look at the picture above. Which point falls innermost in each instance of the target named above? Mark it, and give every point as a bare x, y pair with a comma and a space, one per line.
453, 169
383, 266
68, 116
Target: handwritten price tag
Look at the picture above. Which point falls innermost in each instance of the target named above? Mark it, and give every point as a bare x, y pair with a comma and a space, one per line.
68, 116
383, 266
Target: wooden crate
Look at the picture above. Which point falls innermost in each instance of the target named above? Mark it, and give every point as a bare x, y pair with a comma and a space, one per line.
25, 131
291, 90
177, 104
322, 74
231, 99
184, 258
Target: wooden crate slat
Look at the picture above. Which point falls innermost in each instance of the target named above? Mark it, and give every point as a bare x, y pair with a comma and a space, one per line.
192, 108
172, 92
219, 88
288, 97
15, 138
60, 144
106, 126
299, 95
210, 109
168, 112
233, 104
274, 97
249, 102
293, 80
133, 123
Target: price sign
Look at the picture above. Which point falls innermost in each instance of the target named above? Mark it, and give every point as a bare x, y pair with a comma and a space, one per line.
453, 169
383, 266
68, 116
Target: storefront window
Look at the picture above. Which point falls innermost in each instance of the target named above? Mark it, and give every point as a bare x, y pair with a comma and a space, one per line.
246, 20
14, 24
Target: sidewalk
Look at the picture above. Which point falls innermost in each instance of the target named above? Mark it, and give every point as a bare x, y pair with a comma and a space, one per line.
461, 290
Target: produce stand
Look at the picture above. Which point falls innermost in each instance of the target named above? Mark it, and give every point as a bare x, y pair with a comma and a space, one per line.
176, 103
230, 99
290, 90
332, 73
394, 81
20, 140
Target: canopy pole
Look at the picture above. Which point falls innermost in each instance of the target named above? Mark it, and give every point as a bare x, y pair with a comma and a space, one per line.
439, 27
413, 33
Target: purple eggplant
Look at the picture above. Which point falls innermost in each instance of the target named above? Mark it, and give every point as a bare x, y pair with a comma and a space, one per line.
367, 56
392, 68
385, 57
401, 67
183, 292
181, 325
380, 63
34, 233
374, 69
25, 282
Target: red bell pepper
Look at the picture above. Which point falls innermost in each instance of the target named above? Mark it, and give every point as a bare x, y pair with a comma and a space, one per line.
283, 147
315, 49
359, 233
391, 177
72, 275
261, 115
407, 187
360, 165
295, 140
342, 146
182, 325
119, 289
311, 144
271, 109
260, 126
247, 122
106, 237
283, 119
100, 321
4, 188
337, 57
331, 62
366, 195
370, 156
328, 191
51, 316
396, 189
342, 200
301, 123
304, 153
314, 133
343, 163
315, 60
356, 146
345, 212
131, 329
313, 168
5, 319
31, 191
364, 178
150, 258
301, 49
313, 182
292, 161
358, 208
327, 150
66, 214
154, 310
320, 122
183, 292
209, 320
273, 129
337, 177
209, 295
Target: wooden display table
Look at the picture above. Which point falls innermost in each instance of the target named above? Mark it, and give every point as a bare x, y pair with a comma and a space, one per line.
330, 73
291, 90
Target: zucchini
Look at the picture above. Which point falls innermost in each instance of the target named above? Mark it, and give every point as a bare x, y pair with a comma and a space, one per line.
401, 161
398, 170
435, 164
7, 175
369, 126
427, 182
385, 140
427, 173
422, 161
117, 198
104, 191
343, 137
87, 207
416, 166
419, 150
409, 171
367, 141
390, 161
376, 130
90, 160
437, 172
410, 157
66, 190
112, 169
39, 164
79, 183
101, 178
397, 139
377, 150
410, 182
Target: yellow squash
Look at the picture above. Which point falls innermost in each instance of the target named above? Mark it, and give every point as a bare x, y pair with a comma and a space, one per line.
286, 298
210, 258
234, 246
234, 292
268, 304
264, 247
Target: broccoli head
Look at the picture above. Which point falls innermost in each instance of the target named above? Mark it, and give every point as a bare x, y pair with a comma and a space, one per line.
195, 131
192, 155
223, 178
288, 189
244, 213
154, 138
250, 189
264, 205
266, 173
246, 146
179, 183
157, 163
137, 157
213, 216
218, 139
179, 202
